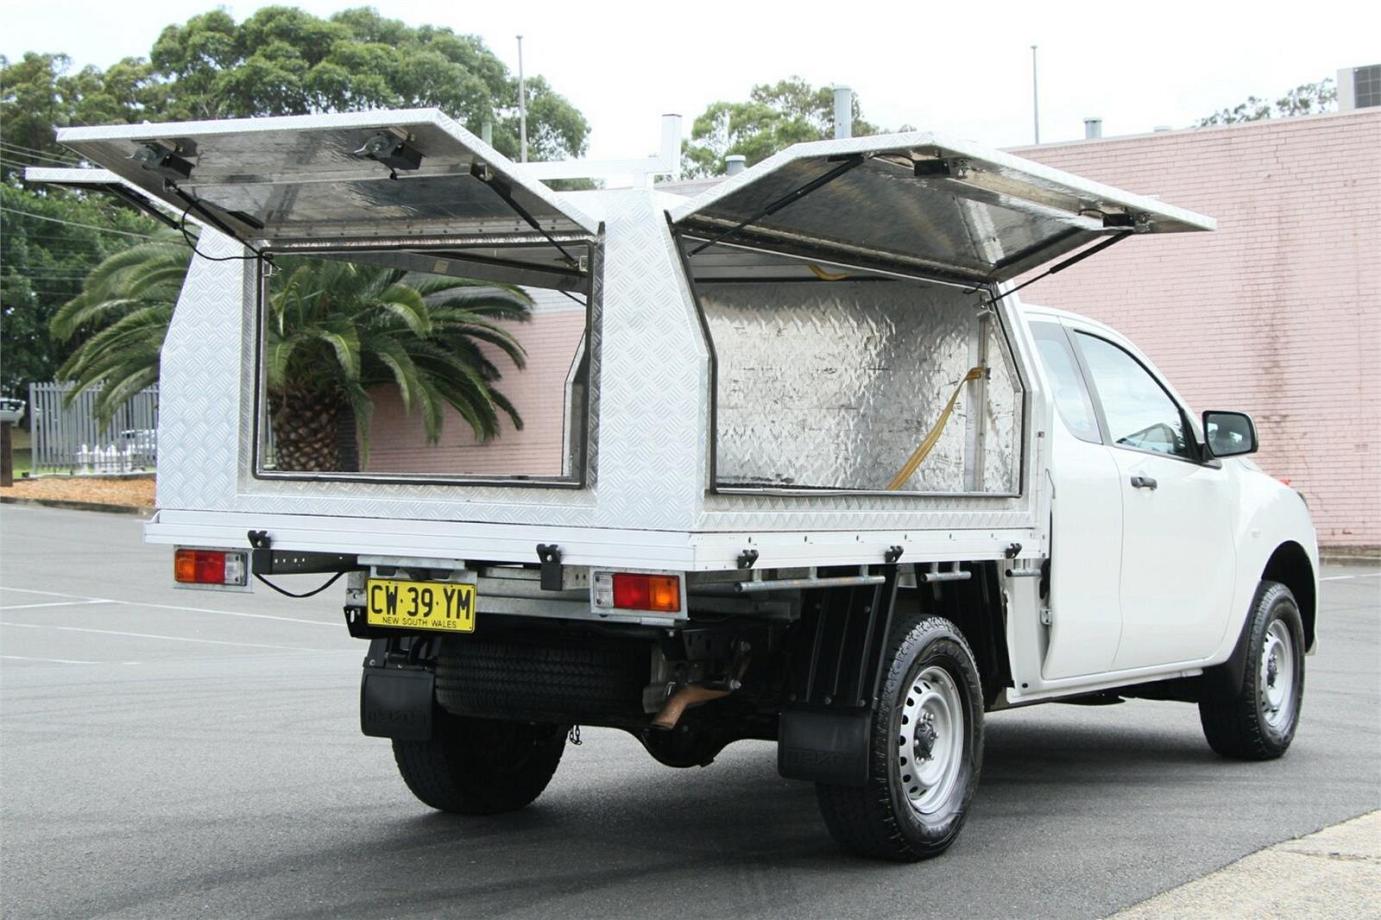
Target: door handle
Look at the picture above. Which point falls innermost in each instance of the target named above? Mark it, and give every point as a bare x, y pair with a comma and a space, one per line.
1143, 482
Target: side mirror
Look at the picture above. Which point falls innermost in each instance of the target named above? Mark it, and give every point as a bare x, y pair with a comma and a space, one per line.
1229, 434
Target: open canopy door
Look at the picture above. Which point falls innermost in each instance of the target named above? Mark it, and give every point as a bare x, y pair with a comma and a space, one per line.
948, 208
100, 180
400, 176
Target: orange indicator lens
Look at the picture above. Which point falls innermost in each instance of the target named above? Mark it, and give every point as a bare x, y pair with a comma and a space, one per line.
199, 567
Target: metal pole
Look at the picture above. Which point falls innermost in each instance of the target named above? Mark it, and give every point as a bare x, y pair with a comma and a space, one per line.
6, 456
522, 107
1035, 97
843, 112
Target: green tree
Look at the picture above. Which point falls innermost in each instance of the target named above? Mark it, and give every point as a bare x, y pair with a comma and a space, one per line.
1305, 99
38, 93
775, 116
48, 245
128, 301
335, 331
285, 61
338, 329
280, 60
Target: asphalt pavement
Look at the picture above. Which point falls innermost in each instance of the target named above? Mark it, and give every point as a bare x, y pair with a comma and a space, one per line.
171, 753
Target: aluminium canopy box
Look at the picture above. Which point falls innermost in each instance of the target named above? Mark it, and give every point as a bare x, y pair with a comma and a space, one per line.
749, 369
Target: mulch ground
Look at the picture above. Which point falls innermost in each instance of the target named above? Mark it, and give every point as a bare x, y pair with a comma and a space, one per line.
93, 489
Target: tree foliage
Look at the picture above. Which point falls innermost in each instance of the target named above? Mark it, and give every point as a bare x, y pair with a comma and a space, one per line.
1305, 99
285, 61
775, 116
336, 330
48, 244
278, 61
126, 304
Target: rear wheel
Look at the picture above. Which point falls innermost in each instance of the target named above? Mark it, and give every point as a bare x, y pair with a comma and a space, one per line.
926, 750
481, 766
1258, 722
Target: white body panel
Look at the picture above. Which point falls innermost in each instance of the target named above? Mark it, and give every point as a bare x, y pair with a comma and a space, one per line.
1086, 510
1177, 560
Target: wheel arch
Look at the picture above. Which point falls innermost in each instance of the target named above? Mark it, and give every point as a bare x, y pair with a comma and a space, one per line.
1290, 566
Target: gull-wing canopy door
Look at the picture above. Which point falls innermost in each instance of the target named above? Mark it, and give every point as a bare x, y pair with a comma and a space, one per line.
100, 180
381, 177
948, 208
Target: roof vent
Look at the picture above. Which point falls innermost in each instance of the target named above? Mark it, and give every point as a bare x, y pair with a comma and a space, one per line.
1093, 128
1359, 87
735, 163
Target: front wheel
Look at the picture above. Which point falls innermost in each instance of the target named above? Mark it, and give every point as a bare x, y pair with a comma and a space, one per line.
926, 750
481, 766
1259, 721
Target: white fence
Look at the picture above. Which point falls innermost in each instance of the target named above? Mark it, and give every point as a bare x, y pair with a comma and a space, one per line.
67, 437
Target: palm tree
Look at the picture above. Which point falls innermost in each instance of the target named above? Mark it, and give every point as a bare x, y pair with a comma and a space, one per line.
335, 331
128, 300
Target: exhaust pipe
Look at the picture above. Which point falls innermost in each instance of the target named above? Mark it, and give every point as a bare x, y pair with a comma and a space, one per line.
683, 699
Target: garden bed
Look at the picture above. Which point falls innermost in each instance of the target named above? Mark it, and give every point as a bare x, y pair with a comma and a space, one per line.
127, 491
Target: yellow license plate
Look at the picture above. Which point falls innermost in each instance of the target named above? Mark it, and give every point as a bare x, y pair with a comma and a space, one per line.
420, 605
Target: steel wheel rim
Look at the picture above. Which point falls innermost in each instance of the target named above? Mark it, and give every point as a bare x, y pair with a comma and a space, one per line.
1277, 676
931, 740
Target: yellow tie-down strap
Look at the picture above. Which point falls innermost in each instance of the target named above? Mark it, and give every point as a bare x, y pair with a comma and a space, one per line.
933, 436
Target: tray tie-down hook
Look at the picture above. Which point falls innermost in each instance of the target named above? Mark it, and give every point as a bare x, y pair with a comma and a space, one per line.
550, 556
261, 557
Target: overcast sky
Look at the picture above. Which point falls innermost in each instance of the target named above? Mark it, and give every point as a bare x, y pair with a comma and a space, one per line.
960, 68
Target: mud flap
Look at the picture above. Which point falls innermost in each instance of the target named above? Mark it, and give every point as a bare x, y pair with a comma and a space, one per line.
397, 703
823, 734
824, 747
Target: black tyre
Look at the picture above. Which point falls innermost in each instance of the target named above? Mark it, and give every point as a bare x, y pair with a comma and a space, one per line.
926, 750
1259, 721
481, 766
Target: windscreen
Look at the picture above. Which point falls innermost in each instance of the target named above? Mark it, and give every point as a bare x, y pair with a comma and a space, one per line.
871, 384
373, 369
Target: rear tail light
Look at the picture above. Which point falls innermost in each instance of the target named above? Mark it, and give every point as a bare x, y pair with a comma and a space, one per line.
658, 593
210, 567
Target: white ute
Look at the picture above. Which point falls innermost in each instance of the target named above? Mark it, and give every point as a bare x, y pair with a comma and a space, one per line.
796, 465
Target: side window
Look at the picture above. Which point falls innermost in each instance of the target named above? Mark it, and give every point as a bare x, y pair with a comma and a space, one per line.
1071, 398
1139, 413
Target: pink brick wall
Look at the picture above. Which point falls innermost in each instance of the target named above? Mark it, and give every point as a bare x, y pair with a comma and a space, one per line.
398, 443
1278, 313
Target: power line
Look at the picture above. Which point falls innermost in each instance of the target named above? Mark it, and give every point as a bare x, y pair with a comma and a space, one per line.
72, 223
59, 157
19, 146
15, 158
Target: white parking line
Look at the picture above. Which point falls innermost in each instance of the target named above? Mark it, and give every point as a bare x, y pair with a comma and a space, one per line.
56, 604
60, 660
111, 600
134, 635
52, 593
1348, 577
